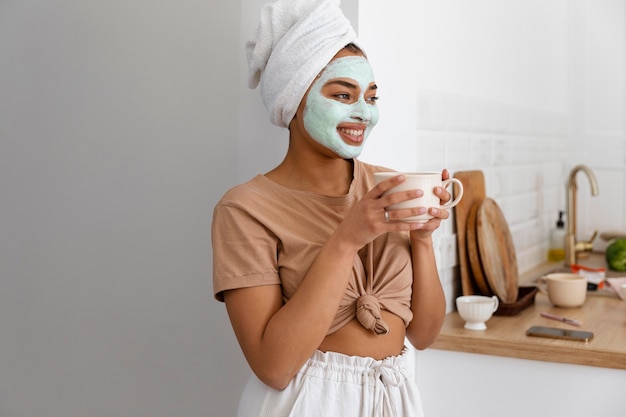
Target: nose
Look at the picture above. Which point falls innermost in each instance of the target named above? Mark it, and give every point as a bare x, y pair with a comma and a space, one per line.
361, 110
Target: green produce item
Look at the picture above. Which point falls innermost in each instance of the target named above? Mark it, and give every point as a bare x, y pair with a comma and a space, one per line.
616, 255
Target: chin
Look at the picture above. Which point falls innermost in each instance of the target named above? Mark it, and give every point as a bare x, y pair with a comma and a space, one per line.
348, 155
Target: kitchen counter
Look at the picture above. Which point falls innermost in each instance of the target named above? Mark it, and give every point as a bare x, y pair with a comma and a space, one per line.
603, 313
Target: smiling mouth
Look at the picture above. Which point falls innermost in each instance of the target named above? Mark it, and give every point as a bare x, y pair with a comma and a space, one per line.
353, 136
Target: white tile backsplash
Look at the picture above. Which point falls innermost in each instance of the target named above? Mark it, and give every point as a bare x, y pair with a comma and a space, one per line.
458, 150
431, 151
430, 111
457, 113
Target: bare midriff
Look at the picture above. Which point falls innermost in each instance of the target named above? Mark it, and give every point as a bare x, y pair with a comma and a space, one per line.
355, 340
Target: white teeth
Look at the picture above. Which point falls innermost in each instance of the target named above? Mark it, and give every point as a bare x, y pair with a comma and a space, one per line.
352, 132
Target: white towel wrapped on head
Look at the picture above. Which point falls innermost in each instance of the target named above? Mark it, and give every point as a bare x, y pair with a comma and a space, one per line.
294, 41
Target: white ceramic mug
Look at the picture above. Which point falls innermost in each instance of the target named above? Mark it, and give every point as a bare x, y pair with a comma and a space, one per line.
426, 181
564, 289
476, 310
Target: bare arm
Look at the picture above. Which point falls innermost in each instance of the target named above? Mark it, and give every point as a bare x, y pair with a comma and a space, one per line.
428, 299
277, 339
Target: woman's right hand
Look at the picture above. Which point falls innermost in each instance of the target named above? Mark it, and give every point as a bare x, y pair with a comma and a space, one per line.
370, 218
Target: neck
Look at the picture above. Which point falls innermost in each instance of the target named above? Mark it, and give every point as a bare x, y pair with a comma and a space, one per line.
314, 172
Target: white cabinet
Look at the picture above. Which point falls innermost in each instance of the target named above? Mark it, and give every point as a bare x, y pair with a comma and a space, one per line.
474, 385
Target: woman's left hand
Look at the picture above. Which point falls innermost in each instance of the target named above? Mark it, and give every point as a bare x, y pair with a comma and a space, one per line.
438, 214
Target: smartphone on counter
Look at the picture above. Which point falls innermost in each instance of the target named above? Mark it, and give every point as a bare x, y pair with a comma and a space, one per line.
554, 333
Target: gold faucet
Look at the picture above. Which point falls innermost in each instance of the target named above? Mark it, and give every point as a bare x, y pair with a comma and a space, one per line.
571, 246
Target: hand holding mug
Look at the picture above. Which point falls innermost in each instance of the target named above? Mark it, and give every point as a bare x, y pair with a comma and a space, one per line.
425, 181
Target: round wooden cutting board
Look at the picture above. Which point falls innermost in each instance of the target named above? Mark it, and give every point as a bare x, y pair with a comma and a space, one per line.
497, 253
474, 192
474, 254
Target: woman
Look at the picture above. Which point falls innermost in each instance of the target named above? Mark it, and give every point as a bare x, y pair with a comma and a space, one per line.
321, 283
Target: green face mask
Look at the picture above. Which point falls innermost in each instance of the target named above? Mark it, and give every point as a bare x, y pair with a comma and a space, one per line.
337, 123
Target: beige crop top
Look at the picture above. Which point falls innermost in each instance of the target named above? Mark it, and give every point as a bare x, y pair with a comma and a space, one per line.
267, 234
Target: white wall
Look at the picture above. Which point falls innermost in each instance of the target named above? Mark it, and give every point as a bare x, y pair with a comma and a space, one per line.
118, 133
598, 106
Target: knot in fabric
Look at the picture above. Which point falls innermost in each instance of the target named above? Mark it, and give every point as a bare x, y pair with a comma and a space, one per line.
368, 314
390, 375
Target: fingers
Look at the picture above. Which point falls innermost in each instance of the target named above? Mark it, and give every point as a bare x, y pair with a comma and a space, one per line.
400, 196
385, 200
438, 213
426, 229
443, 194
401, 215
386, 185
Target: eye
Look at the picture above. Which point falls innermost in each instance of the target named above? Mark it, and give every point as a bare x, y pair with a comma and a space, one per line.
342, 96
372, 100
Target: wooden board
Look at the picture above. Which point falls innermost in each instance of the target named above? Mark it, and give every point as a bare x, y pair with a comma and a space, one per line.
473, 253
473, 192
497, 253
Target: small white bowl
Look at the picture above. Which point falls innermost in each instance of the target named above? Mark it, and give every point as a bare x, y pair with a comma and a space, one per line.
476, 310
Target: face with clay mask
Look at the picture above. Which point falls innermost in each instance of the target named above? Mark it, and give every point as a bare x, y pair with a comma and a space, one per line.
340, 109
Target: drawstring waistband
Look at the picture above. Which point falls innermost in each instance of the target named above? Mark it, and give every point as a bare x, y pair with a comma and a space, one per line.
381, 375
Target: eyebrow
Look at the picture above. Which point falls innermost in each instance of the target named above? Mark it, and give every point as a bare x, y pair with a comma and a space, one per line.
351, 85
343, 83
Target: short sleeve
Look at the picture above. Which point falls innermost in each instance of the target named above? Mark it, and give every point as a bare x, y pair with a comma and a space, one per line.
244, 251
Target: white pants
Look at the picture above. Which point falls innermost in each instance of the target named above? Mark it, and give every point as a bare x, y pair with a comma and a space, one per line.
335, 385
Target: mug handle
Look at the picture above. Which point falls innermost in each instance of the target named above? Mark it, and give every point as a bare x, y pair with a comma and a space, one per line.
457, 197
496, 303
